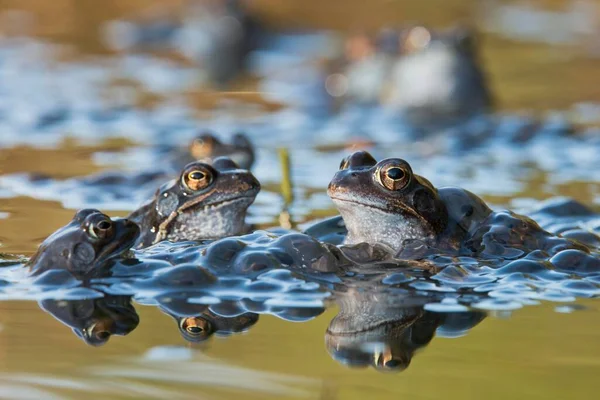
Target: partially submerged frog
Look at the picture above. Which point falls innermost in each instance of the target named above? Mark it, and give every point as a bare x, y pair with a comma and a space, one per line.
385, 203
95, 320
430, 78
86, 245
385, 329
198, 328
365, 70
125, 188
438, 76
205, 202
207, 147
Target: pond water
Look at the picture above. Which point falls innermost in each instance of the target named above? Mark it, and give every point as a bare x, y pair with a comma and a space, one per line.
76, 99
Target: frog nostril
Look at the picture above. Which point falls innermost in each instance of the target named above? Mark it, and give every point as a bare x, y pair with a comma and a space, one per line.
354, 174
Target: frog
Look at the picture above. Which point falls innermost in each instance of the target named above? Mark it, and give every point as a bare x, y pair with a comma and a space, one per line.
207, 147
205, 202
200, 327
86, 246
386, 204
130, 187
95, 320
384, 329
428, 78
438, 76
365, 69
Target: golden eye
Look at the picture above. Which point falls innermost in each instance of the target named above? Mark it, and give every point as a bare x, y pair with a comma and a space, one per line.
99, 332
394, 177
101, 229
197, 179
196, 327
344, 164
202, 147
102, 335
386, 360
196, 176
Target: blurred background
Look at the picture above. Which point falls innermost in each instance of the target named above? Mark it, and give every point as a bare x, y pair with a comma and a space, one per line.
502, 88
526, 45
499, 97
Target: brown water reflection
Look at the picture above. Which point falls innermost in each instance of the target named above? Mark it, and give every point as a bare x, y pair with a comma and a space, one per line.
536, 354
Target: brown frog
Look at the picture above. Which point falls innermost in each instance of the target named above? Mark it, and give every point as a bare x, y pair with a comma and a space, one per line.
204, 202
206, 147
385, 329
86, 245
386, 203
199, 328
95, 320
438, 76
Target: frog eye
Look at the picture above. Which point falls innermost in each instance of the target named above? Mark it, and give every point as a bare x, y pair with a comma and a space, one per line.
394, 177
344, 164
99, 332
102, 335
196, 328
197, 179
202, 146
101, 229
387, 361
417, 38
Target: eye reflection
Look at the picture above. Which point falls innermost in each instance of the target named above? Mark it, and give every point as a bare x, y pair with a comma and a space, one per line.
95, 321
195, 329
395, 173
196, 175
344, 164
385, 334
393, 177
197, 179
100, 229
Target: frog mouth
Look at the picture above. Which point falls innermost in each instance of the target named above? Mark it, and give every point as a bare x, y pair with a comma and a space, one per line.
385, 325
122, 242
359, 203
249, 198
397, 210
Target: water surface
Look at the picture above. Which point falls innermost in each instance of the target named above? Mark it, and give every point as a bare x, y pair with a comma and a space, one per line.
548, 350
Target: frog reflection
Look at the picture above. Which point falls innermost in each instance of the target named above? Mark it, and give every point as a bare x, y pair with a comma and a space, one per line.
197, 323
199, 328
95, 320
385, 330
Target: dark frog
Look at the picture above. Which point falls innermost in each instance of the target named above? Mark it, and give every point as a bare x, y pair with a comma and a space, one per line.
95, 320
198, 328
438, 76
85, 245
128, 187
207, 147
386, 203
205, 202
384, 329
